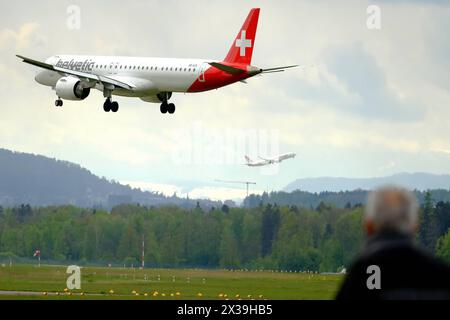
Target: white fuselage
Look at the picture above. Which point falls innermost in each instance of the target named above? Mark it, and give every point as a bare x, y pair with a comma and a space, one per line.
265, 162
285, 156
148, 75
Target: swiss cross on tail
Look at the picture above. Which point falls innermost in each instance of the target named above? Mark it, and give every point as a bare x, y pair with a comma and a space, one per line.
243, 43
242, 47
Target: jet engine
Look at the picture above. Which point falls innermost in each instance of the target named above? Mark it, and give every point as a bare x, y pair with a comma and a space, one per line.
71, 88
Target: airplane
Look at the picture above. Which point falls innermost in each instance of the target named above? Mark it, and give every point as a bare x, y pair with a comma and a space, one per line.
150, 79
265, 162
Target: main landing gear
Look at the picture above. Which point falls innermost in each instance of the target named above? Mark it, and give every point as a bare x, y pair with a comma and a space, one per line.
167, 107
58, 102
110, 105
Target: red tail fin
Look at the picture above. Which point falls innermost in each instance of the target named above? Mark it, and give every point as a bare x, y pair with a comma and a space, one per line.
242, 48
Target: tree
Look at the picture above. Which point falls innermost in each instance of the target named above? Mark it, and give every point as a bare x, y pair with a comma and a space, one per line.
442, 213
229, 252
443, 247
225, 208
429, 230
269, 226
349, 235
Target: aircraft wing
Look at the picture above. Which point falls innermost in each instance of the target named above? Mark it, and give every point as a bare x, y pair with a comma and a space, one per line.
79, 74
264, 159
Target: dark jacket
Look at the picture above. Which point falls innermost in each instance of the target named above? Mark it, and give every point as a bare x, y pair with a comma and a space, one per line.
406, 272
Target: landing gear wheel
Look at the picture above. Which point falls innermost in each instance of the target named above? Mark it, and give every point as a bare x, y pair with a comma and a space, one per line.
107, 105
164, 107
58, 103
114, 106
171, 108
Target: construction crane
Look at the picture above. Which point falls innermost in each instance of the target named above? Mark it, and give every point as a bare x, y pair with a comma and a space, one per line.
241, 182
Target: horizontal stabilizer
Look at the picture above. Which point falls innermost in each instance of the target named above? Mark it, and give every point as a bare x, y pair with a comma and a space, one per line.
225, 68
278, 69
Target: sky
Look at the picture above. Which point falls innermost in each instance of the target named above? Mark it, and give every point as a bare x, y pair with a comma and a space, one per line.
364, 102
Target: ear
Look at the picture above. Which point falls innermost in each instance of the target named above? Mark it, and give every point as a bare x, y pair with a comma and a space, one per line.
369, 227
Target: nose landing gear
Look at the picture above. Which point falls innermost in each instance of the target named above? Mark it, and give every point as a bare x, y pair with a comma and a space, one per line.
58, 102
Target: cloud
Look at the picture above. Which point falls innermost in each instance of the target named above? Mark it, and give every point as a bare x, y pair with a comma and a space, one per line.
202, 192
25, 37
166, 189
361, 100
441, 150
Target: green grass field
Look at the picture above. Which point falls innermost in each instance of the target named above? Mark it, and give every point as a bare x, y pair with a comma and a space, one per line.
96, 283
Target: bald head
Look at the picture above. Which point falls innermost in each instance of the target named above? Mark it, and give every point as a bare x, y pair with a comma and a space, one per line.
391, 208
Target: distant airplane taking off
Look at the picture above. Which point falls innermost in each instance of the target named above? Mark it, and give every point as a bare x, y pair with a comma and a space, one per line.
265, 162
150, 79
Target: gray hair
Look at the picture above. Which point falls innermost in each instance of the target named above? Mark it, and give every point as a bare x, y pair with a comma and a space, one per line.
392, 208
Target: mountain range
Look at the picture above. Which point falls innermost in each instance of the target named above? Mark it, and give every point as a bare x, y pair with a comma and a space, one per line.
418, 181
40, 181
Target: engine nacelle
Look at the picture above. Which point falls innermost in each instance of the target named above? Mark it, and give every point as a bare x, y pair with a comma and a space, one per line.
71, 88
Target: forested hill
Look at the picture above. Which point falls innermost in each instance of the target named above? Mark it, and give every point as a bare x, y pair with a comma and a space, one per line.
37, 180
338, 199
